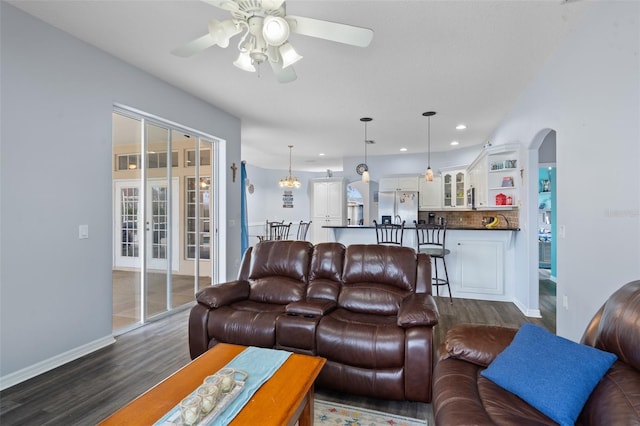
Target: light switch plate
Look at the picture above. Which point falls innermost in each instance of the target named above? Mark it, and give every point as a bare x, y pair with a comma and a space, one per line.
83, 232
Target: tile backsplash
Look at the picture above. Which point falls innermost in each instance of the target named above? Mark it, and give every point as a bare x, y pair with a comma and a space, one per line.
473, 218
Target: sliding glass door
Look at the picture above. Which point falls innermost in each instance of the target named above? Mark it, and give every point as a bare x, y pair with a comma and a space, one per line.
163, 202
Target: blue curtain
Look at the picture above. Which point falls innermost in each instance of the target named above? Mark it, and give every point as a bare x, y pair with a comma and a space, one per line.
244, 223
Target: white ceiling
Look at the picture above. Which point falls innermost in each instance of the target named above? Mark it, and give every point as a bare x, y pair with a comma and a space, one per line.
467, 60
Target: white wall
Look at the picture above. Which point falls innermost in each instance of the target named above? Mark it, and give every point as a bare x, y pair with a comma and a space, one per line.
589, 93
57, 98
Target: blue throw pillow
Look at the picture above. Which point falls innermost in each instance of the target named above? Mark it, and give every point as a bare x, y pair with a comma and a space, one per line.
550, 373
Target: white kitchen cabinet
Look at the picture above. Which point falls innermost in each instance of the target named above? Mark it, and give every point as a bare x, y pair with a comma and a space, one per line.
480, 266
454, 188
329, 208
401, 183
495, 175
430, 194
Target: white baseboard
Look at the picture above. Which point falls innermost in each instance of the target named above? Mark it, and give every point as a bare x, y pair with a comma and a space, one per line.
53, 362
532, 313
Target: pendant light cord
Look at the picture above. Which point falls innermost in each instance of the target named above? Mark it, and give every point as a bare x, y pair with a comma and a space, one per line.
365, 142
429, 141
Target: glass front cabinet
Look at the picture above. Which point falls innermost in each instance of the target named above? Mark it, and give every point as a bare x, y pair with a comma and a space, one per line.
454, 188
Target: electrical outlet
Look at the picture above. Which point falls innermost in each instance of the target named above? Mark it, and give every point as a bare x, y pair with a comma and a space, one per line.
565, 301
83, 232
562, 231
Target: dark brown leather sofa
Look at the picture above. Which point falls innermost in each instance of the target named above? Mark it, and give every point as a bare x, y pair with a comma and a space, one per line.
367, 309
463, 397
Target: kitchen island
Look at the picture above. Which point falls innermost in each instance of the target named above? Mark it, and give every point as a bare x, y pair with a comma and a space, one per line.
481, 262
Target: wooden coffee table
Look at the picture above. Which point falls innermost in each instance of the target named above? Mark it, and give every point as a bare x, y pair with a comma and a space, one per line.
285, 398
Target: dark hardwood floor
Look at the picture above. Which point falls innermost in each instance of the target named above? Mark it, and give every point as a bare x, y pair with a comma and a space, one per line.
85, 391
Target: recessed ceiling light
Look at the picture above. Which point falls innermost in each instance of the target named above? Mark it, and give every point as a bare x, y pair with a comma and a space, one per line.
403, 149
321, 154
461, 127
454, 143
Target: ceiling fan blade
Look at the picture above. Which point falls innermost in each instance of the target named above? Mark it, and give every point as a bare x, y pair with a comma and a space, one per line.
229, 5
283, 75
333, 31
272, 4
195, 46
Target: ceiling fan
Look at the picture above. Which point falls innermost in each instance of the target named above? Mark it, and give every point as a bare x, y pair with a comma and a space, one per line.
266, 28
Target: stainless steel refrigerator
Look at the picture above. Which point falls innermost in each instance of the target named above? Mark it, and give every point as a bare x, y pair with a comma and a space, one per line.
398, 206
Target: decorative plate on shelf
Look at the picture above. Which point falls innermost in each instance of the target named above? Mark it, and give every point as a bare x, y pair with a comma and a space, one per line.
361, 168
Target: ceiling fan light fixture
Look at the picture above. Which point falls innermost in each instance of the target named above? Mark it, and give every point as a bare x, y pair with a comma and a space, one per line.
244, 62
289, 55
275, 30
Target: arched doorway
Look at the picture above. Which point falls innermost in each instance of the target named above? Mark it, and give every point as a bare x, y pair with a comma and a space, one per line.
541, 217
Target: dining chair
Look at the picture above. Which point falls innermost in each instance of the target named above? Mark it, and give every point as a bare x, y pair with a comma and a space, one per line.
389, 233
430, 239
303, 227
279, 231
267, 229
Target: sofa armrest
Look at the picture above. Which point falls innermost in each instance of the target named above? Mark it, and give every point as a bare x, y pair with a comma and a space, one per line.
418, 309
311, 307
223, 294
478, 344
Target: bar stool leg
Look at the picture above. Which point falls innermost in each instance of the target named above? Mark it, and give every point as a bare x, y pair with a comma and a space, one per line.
446, 274
435, 267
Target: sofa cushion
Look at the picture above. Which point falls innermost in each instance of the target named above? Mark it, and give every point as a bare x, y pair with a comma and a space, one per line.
371, 298
245, 323
281, 259
462, 397
553, 374
361, 340
279, 271
393, 266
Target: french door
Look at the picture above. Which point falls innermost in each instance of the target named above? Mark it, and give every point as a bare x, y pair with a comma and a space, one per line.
129, 221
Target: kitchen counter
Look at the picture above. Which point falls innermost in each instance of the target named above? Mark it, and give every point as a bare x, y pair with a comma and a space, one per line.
356, 234
481, 264
449, 228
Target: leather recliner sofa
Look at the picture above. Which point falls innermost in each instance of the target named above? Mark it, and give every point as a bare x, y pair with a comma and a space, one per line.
367, 309
461, 396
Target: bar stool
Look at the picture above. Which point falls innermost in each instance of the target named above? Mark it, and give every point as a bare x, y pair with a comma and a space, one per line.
389, 233
430, 239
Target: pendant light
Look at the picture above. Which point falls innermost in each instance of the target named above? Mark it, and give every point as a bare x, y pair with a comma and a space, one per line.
428, 175
290, 181
362, 168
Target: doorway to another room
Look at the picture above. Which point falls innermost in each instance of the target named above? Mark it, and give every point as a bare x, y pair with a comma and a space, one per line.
165, 247
547, 223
